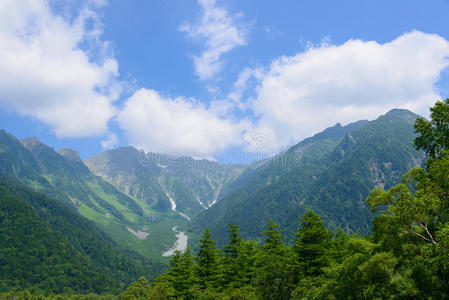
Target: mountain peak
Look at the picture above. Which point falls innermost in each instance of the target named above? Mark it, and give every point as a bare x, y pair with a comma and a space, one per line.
404, 114
32, 143
401, 113
70, 154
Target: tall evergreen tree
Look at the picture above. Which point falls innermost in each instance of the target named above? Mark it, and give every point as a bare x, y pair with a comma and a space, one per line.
274, 276
181, 273
310, 244
232, 251
273, 239
207, 261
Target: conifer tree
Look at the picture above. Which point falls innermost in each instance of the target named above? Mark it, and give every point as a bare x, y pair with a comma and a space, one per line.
274, 276
207, 261
181, 273
310, 244
232, 251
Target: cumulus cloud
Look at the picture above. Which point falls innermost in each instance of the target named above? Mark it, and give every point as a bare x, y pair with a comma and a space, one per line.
220, 33
46, 71
58, 70
295, 97
305, 93
156, 123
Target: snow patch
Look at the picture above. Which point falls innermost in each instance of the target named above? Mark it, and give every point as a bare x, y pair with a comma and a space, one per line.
172, 202
200, 202
184, 215
173, 207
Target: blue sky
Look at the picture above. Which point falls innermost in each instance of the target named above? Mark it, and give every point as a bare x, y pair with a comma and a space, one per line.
206, 77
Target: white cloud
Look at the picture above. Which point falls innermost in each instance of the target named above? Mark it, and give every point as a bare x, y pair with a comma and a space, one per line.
296, 97
219, 32
44, 72
178, 125
303, 94
242, 84
59, 71
110, 141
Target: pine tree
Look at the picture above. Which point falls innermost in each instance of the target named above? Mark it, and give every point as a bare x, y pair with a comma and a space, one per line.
310, 244
273, 241
274, 276
231, 264
207, 261
181, 275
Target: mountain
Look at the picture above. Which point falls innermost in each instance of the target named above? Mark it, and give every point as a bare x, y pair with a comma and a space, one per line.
182, 183
137, 198
264, 172
63, 176
331, 173
48, 246
73, 178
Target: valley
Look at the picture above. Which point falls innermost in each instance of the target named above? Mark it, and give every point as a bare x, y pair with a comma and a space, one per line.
149, 209
137, 198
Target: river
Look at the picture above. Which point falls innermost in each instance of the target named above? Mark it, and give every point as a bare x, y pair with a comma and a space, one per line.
180, 244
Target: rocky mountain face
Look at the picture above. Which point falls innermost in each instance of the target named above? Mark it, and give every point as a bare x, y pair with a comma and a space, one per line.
184, 184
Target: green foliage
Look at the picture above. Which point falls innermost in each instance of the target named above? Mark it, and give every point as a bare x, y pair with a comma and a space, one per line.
405, 257
137, 290
181, 274
207, 261
331, 173
47, 246
311, 245
434, 134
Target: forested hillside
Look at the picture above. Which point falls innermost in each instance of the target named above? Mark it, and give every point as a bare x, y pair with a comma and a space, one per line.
63, 176
406, 257
331, 173
48, 247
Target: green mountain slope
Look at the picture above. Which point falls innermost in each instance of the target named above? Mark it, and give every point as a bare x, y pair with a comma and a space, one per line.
64, 177
184, 184
333, 182
44, 244
265, 172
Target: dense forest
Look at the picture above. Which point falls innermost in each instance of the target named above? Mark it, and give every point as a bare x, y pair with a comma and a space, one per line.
47, 247
405, 257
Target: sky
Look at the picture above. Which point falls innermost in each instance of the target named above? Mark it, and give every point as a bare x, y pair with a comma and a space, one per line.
226, 80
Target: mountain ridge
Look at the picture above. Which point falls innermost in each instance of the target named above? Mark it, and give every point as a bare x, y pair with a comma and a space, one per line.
333, 185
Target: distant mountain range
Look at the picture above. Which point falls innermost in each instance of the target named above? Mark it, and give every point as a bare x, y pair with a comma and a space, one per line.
183, 183
136, 198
